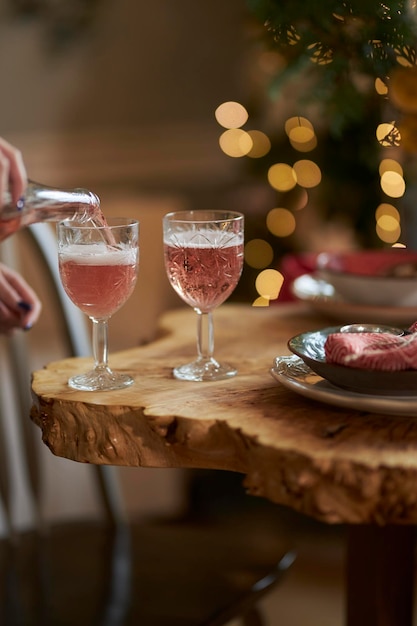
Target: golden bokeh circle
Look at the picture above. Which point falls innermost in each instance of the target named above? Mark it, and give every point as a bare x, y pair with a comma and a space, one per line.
231, 114
297, 122
388, 223
261, 301
282, 177
258, 253
308, 173
268, 284
388, 236
261, 144
280, 222
235, 142
388, 135
380, 87
387, 209
393, 184
390, 165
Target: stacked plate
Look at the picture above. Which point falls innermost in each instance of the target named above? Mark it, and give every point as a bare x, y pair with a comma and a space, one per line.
307, 373
309, 347
378, 286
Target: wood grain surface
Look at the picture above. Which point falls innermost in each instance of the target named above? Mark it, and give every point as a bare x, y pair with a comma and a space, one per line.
334, 464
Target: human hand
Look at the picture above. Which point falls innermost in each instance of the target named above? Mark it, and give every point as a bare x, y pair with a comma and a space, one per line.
13, 175
20, 307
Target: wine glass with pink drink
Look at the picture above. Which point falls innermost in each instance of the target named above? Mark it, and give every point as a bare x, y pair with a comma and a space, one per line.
203, 253
98, 267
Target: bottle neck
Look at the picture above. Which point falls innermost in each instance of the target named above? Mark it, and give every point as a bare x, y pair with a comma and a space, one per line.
41, 203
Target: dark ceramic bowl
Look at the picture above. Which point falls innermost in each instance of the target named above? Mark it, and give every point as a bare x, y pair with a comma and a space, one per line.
309, 347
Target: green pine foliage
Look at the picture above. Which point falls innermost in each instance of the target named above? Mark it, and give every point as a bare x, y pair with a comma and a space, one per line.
340, 47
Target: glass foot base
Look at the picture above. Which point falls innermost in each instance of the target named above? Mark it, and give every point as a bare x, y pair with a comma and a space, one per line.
100, 380
204, 370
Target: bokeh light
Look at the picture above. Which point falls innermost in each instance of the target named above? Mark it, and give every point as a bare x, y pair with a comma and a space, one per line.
308, 173
404, 61
260, 301
319, 54
292, 36
388, 223
297, 122
282, 177
280, 222
303, 140
393, 184
258, 253
236, 142
390, 165
388, 227
388, 236
268, 284
301, 134
231, 115
388, 135
385, 209
261, 144
380, 87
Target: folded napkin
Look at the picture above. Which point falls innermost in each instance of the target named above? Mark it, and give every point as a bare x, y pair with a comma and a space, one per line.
372, 351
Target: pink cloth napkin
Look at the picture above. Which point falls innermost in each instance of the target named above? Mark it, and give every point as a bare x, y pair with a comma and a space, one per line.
373, 351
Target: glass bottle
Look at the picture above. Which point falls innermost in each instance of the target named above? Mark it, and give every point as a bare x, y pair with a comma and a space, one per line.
46, 204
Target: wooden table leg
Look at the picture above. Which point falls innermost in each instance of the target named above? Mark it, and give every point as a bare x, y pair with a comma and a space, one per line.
380, 575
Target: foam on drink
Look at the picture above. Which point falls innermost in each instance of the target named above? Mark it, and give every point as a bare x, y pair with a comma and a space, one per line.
98, 279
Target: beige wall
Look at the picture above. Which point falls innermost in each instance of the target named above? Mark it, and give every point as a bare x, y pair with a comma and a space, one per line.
140, 64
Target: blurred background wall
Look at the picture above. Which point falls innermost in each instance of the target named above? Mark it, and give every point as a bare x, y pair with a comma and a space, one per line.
136, 63
144, 74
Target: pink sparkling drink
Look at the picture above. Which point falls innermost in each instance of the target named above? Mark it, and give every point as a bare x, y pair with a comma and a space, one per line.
98, 281
204, 276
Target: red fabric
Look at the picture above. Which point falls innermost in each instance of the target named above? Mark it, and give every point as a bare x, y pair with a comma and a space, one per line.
292, 266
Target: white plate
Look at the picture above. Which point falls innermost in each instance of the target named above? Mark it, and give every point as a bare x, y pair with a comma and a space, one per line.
322, 297
293, 373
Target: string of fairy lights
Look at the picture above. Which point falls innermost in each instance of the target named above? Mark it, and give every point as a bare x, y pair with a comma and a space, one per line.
304, 174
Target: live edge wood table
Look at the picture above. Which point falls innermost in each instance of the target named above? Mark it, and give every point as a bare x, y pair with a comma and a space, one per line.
335, 464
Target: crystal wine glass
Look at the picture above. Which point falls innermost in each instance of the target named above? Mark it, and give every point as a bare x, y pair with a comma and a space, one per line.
203, 253
98, 266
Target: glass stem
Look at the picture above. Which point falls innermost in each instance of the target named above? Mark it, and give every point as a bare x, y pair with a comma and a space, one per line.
205, 336
100, 343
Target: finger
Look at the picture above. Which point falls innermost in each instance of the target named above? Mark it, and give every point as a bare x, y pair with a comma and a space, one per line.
12, 286
18, 296
13, 170
8, 320
4, 177
17, 176
30, 312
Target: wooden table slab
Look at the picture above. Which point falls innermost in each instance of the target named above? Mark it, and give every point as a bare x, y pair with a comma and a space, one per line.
334, 464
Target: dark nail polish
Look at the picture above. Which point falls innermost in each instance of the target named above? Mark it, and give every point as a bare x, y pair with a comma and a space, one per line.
24, 305
20, 204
